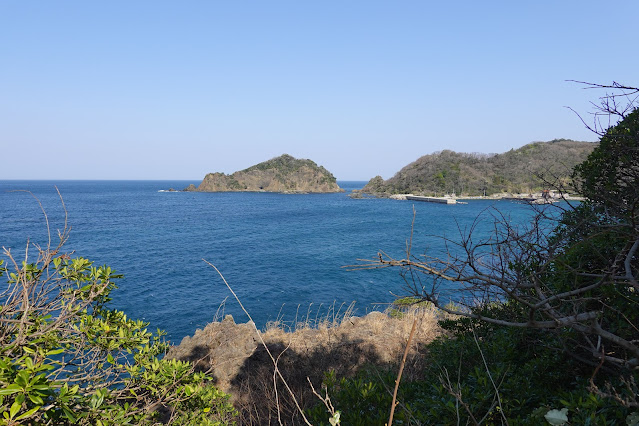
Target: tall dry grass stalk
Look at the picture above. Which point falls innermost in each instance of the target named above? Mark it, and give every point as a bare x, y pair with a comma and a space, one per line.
277, 373
399, 374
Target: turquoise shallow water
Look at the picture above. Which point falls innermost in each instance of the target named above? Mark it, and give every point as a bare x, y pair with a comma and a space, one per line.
282, 254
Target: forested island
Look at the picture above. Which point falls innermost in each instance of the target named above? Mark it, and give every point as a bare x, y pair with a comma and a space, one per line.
531, 168
281, 174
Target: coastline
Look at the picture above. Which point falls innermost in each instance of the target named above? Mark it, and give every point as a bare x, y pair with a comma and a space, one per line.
505, 196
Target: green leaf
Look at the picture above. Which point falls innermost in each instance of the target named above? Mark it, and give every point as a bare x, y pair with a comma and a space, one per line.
10, 389
22, 379
15, 407
41, 387
28, 413
36, 399
29, 363
188, 390
69, 414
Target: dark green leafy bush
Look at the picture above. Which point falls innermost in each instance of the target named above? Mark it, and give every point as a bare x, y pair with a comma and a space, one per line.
67, 358
477, 373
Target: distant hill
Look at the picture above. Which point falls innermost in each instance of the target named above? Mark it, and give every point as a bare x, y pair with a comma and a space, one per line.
522, 170
281, 174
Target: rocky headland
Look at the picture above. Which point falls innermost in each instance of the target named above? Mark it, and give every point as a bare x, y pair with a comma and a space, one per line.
241, 364
535, 167
284, 174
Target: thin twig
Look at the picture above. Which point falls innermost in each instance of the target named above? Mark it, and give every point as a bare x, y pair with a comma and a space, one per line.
259, 335
326, 400
490, 376
401, 370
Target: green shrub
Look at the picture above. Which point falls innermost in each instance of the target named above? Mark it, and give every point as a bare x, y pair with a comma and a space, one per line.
362, 401
460, 375
66, 358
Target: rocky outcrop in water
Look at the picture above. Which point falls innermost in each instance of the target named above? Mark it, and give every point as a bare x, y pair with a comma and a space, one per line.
281, 174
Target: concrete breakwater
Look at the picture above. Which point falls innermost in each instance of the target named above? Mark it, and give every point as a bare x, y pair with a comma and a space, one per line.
441, 200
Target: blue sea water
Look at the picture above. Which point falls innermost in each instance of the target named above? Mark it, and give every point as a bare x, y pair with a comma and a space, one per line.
283, 254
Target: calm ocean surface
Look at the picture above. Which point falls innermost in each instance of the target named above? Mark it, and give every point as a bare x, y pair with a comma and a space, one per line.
282, 254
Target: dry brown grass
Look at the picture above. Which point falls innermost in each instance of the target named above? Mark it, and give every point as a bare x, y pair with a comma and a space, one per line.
385, 334
304, 350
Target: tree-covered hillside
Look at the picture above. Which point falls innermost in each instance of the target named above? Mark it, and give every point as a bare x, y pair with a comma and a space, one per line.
281, 174
523, 170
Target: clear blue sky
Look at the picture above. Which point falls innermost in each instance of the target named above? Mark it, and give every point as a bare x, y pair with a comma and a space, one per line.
176, 89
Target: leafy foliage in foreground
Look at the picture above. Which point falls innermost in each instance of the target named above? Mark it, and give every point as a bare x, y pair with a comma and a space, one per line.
477, 374
66, 358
